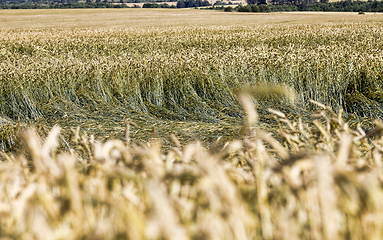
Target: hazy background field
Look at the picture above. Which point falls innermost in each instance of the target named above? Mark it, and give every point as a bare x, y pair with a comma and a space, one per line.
121, 18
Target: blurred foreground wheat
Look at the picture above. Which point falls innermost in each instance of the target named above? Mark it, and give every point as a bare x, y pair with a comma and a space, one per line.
319, 180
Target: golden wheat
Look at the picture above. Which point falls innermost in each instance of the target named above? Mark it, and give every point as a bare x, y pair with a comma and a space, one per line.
322, 181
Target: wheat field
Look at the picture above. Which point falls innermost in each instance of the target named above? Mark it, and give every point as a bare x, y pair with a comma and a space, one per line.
163, 18
190, 124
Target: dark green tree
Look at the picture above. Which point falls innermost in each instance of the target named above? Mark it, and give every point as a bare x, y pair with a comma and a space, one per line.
180, 4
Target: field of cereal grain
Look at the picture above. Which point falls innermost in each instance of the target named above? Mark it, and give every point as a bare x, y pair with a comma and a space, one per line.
101, 111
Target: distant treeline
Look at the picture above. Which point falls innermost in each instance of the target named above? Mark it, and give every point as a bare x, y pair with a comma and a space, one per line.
62, 5
253, 8
71, 3
342, 6
282, 5
53, 2
155, 5
180, 4
253, 5
146, 1
241, 8
192, 3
